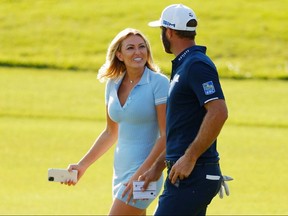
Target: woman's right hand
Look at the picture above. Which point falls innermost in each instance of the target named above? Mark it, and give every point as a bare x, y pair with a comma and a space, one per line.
81, 170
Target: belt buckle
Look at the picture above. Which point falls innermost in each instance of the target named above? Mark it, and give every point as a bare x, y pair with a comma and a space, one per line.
169, 164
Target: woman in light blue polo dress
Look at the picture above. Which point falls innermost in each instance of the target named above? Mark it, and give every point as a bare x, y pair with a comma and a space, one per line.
136, 110
138, 127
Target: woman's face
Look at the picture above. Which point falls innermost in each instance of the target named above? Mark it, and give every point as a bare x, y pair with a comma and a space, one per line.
133, 52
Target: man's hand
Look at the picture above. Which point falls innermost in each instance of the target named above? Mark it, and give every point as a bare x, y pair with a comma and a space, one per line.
181, 169
224, 186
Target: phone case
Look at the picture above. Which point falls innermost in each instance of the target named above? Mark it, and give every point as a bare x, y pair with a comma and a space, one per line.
62, 175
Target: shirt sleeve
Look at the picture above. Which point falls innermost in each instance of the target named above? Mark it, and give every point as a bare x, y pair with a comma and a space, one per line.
204, 81
161, 87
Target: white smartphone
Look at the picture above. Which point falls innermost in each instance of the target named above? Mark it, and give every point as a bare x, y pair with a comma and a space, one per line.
62, 175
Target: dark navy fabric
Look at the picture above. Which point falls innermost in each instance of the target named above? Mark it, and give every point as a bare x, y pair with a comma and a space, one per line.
192, 195
194, 82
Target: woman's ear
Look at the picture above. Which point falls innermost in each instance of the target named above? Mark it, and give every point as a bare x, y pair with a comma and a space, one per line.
119, 56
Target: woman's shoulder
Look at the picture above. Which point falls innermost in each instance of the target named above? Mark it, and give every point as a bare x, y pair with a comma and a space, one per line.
110, 83
158, 76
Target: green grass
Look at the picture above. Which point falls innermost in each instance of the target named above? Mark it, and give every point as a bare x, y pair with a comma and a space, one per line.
50, 118
51, 94
246, 39
52, 107
29, 147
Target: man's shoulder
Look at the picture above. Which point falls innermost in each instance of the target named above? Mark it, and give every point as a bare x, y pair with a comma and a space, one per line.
199, 59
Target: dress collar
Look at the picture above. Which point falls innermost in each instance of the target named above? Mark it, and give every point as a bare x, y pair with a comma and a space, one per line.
144, 79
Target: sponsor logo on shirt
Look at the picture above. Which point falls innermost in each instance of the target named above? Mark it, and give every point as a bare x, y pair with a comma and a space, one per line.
208, 88
183, 55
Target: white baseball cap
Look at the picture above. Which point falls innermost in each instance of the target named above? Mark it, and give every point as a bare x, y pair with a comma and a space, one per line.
176, 17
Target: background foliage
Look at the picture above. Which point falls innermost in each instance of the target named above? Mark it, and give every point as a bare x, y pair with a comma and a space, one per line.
245, 38
52, 106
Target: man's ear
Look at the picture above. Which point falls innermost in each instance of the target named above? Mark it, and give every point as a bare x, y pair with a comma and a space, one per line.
169, 33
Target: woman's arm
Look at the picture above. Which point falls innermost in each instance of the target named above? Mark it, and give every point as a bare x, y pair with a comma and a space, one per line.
101, 145
156, 151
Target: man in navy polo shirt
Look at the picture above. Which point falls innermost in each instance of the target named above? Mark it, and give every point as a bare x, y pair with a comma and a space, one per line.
196, 112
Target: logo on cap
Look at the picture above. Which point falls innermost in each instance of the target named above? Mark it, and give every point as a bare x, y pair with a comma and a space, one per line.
166, 23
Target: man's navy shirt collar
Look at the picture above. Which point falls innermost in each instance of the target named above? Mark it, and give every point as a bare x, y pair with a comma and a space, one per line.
180, 58
187, 52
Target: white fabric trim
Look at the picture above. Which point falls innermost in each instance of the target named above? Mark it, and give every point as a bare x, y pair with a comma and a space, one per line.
211, 99
212, 177
161, 100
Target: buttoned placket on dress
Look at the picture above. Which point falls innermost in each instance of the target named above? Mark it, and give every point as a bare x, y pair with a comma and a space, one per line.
129, 98
131, 93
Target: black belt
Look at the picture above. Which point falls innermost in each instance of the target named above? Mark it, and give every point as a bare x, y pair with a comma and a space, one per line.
170, 163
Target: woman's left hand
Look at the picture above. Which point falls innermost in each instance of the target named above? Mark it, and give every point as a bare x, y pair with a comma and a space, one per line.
129, 190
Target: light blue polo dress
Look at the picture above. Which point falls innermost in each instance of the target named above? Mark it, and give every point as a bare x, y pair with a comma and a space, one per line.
137, 127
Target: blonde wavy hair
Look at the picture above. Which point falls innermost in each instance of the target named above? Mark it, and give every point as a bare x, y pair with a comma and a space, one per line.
113, 67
